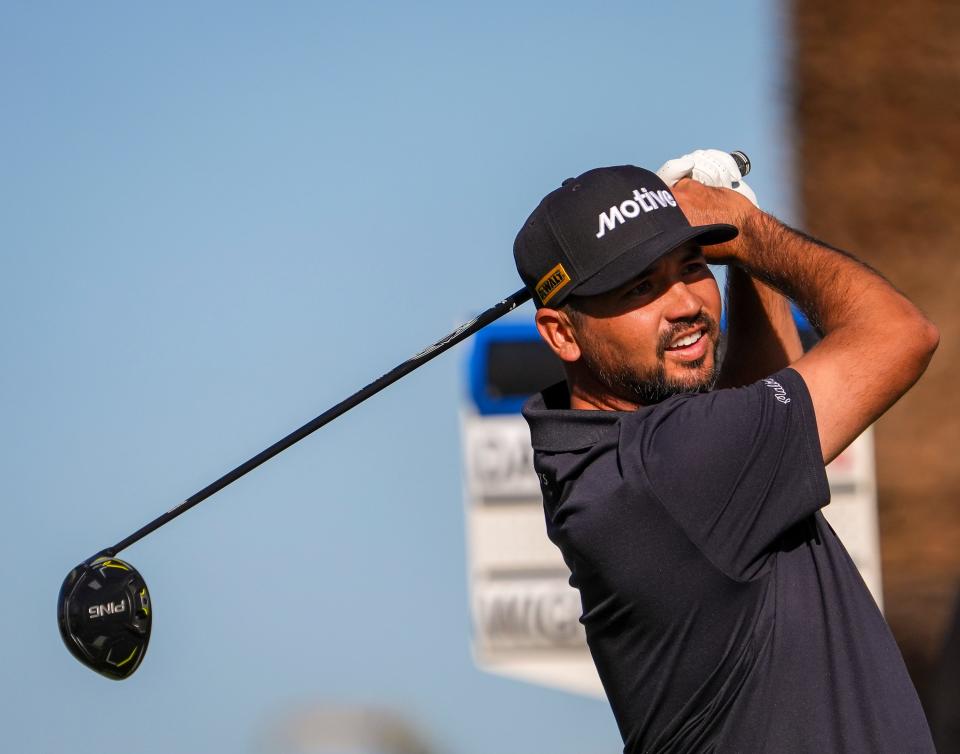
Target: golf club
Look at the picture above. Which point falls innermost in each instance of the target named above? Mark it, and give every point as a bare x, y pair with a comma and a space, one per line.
104, 610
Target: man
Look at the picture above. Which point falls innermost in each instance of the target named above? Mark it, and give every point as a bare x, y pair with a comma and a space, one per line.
721, 611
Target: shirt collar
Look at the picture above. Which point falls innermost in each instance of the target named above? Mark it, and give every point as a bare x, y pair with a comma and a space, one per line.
556, 427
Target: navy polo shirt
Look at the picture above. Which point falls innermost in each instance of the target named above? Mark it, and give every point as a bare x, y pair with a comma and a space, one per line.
721, 610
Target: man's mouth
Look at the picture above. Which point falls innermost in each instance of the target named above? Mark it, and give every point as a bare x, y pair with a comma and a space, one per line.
686, 340
691, 345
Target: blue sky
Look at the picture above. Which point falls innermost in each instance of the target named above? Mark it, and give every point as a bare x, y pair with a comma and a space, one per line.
218, 219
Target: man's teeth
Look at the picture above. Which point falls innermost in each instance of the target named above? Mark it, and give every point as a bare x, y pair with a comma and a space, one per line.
687, 341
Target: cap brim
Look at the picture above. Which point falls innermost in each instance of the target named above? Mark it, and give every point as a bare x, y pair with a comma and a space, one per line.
636, 259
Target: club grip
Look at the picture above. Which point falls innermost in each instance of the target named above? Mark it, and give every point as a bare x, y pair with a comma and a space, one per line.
743, 162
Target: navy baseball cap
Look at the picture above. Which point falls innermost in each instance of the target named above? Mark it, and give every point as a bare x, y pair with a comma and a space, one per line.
600, 230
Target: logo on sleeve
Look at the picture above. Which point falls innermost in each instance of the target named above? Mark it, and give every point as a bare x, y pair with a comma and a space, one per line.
779, 393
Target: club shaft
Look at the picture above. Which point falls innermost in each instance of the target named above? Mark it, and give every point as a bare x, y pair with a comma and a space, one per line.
445, 343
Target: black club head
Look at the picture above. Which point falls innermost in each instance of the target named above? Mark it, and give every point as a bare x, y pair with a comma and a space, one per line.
104, 614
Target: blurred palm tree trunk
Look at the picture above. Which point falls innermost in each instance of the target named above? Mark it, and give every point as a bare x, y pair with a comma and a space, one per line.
876, 98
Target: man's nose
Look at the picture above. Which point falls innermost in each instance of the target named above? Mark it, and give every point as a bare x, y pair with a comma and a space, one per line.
682, 303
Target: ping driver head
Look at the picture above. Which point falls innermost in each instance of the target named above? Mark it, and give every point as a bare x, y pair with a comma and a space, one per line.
104, 616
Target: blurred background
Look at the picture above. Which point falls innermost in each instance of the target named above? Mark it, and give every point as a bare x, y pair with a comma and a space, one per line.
218, 219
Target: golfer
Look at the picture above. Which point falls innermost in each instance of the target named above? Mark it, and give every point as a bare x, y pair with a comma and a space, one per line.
721, 610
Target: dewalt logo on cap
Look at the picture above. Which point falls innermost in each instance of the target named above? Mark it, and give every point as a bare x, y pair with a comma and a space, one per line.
551, 283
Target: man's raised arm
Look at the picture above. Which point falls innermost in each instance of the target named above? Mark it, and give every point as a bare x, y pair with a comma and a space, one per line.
876, 343
762, 337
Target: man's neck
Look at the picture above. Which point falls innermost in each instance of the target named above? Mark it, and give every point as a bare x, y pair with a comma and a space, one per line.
586, 399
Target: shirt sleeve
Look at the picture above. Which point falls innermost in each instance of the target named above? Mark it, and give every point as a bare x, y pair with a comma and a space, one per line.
735, 468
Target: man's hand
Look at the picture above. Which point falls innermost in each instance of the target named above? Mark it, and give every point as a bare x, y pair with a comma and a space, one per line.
717, 169
703, 205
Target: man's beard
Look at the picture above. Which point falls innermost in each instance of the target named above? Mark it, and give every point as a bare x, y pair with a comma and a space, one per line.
652, 385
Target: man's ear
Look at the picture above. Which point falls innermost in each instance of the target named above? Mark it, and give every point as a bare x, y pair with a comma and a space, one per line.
559, 333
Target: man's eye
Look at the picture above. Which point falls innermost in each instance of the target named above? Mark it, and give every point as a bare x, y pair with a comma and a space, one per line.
693, 267
641, 289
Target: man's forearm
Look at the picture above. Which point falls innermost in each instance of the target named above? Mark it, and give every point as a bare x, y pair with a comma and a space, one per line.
762, 337
833, 288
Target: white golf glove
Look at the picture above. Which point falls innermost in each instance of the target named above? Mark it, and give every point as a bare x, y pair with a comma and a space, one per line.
711, 167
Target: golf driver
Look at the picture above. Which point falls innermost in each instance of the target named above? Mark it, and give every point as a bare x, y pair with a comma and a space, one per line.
104, 616
104, 611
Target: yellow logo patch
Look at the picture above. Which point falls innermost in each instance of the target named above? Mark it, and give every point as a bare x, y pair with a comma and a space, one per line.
551, 283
